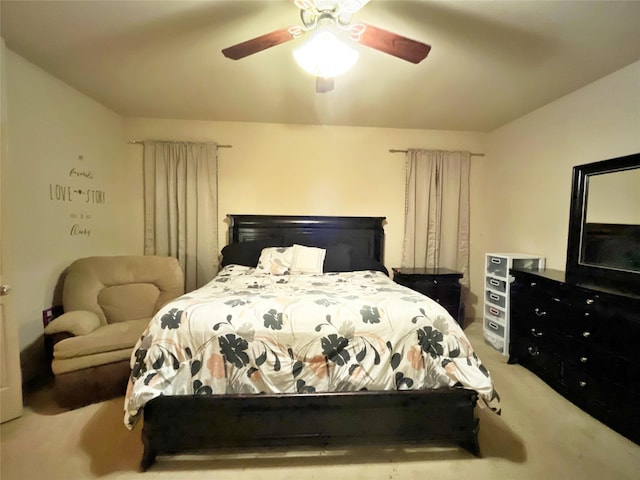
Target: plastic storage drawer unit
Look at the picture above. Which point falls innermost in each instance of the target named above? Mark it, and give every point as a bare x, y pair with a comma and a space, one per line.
496, 294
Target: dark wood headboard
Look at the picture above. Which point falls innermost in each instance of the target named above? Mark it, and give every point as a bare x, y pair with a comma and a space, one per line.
364, 234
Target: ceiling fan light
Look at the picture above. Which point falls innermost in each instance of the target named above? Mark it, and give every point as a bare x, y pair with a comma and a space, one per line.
325, 56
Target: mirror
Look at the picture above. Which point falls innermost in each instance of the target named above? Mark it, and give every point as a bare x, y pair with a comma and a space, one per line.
604, 224
611, 233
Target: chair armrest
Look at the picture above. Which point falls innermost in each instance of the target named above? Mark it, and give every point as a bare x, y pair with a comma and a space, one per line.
77, 322
51, 340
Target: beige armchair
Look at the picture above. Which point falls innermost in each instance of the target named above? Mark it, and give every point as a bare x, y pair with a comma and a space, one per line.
108, 302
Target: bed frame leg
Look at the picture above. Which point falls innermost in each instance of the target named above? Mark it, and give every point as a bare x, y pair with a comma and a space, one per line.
472, 446
148, 459
150, 453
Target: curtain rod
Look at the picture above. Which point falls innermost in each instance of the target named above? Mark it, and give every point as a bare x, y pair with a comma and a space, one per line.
176, 141
395, 150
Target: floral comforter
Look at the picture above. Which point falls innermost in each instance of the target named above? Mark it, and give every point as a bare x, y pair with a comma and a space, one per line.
249, 333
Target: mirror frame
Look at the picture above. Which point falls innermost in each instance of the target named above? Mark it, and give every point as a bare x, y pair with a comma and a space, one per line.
627, 281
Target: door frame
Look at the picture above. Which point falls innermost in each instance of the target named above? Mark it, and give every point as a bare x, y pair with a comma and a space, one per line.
10, 372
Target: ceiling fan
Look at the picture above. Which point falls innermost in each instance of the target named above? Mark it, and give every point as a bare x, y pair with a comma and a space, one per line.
332, 19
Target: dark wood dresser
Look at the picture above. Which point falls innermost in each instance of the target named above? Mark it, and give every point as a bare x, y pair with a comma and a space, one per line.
439, 284
582, 341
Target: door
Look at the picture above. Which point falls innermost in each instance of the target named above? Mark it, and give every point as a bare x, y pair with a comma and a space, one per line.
10, 376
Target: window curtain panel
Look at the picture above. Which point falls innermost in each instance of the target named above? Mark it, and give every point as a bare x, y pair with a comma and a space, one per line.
437, 211
180, 208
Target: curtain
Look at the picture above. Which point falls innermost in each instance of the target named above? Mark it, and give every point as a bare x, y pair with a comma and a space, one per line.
437, 211
180, 208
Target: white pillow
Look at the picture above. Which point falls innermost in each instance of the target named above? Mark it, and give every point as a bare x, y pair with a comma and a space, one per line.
275, 261
307, 259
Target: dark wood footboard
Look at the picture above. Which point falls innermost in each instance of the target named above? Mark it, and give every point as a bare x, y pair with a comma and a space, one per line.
177, 424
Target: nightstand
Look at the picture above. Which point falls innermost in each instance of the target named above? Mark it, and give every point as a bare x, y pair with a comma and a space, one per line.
439, 284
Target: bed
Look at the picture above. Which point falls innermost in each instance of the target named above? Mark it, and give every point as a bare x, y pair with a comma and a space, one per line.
303, 340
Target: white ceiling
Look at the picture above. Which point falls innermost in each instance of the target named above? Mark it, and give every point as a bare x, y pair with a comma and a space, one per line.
491, 61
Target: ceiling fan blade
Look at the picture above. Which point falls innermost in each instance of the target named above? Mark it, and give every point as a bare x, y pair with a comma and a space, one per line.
324, 85
352, 6
304, 4
394, 44
343, 6
255, 45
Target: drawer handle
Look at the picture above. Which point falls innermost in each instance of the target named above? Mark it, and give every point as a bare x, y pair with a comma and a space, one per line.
493, 325
586, 334
583, 359
493, 296
533, 351
589, 301
582, 383
494, 282
536, 333
494, 311
495, 260
540, 313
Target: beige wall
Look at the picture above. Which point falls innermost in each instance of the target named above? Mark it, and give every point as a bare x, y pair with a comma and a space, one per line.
57, 138
526, 184
310, 170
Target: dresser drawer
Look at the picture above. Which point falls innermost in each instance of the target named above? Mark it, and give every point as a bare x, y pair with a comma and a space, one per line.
444, 295
496, 341
623, 414
494, 327
542, 337
495, 284
588, 389
605, 326
497, 266
602, 364
615, 405
530, 316
495, 298
538, 358
416, 282
424, 284
494, 314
